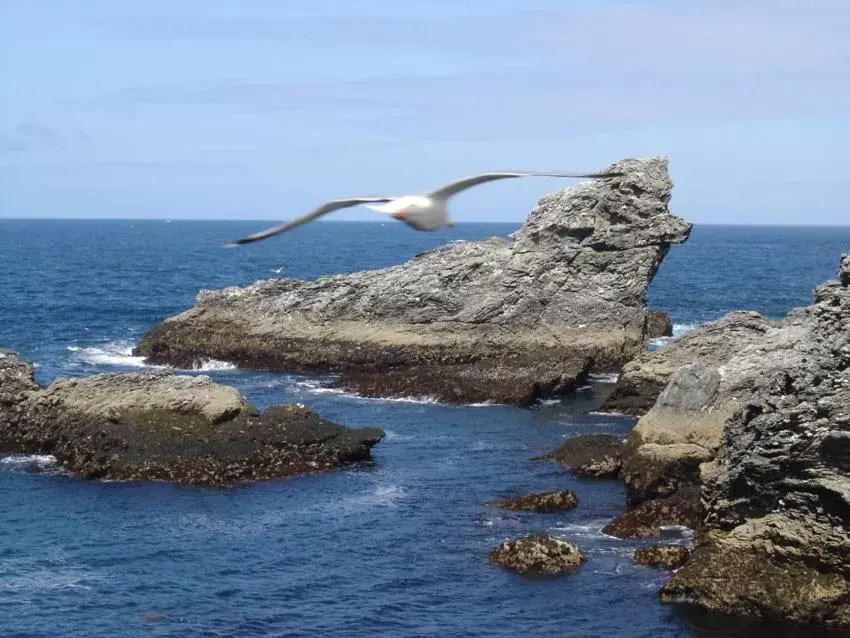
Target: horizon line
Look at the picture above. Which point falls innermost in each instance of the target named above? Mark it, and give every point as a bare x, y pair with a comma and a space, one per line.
375, 221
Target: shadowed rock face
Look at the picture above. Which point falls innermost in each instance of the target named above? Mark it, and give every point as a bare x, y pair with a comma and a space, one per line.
160, 426
773, 418
506, 320
592, 455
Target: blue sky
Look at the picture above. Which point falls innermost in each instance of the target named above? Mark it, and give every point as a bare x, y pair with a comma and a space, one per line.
261, 109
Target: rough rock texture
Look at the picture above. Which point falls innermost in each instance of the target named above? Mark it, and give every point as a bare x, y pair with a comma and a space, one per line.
647, 519
594, 455
541, 554
546, 502
708, 374
184, 429
643, 378
506, 320
664, 556
775, 539
658, 324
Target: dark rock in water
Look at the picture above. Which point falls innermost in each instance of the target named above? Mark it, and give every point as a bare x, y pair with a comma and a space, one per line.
644, 378
546, 502
541, 554
593, 455
663, 556
495, 381
775, 417
160, 426
510, 320
658, 324
647, 519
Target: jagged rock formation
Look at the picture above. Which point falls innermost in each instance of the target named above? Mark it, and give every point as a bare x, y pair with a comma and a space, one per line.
764, 433
507, 320
544, 503
160, 426
540, 553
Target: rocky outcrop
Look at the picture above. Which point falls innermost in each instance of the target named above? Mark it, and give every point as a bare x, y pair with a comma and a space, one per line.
775, 418
663, 556
658, 324
504, 320
643, 379
709, 372
544, 503
161, 426
647, 519
540, 554
592, 455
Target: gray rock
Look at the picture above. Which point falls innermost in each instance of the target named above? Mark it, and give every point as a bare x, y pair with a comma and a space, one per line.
775, 536
644, 377
161, 426
505, 320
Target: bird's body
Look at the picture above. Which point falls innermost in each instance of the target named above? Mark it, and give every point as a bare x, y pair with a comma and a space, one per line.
422, 212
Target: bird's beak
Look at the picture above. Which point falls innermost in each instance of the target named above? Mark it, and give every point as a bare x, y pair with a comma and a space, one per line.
400, 215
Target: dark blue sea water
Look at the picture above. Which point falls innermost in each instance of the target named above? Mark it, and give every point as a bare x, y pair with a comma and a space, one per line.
398, 548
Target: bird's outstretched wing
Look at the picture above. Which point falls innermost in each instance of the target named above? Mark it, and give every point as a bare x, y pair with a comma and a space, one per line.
324, 209
468, 182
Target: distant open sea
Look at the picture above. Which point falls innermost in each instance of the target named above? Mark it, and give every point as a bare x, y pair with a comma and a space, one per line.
397, 548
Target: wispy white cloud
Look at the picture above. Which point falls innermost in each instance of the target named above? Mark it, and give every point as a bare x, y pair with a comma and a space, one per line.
31, 135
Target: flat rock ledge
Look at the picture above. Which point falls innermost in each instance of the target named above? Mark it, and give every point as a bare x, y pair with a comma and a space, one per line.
544, 503
589, 455
161, 426
505, 320
662, 556
538, 554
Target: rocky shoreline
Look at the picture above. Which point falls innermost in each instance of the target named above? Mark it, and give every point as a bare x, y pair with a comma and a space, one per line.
502, 320
162, 426
747, 443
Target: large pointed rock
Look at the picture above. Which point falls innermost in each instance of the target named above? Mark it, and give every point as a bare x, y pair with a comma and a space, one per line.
501, 320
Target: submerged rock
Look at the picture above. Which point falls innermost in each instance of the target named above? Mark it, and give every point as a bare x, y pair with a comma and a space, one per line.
592, 455
546, 502
540, 553
161, 426
508, 320
663, 556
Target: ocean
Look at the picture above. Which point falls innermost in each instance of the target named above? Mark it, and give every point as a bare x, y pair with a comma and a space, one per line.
397, 547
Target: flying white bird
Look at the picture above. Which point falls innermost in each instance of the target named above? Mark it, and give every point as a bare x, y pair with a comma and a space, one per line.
422, 212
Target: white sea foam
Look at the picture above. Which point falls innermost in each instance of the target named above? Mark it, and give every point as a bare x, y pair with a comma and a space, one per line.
28, 463
112, 353
604, 377
681, 328
212, 365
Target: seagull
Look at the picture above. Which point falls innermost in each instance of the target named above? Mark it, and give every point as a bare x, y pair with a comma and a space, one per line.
421, 212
